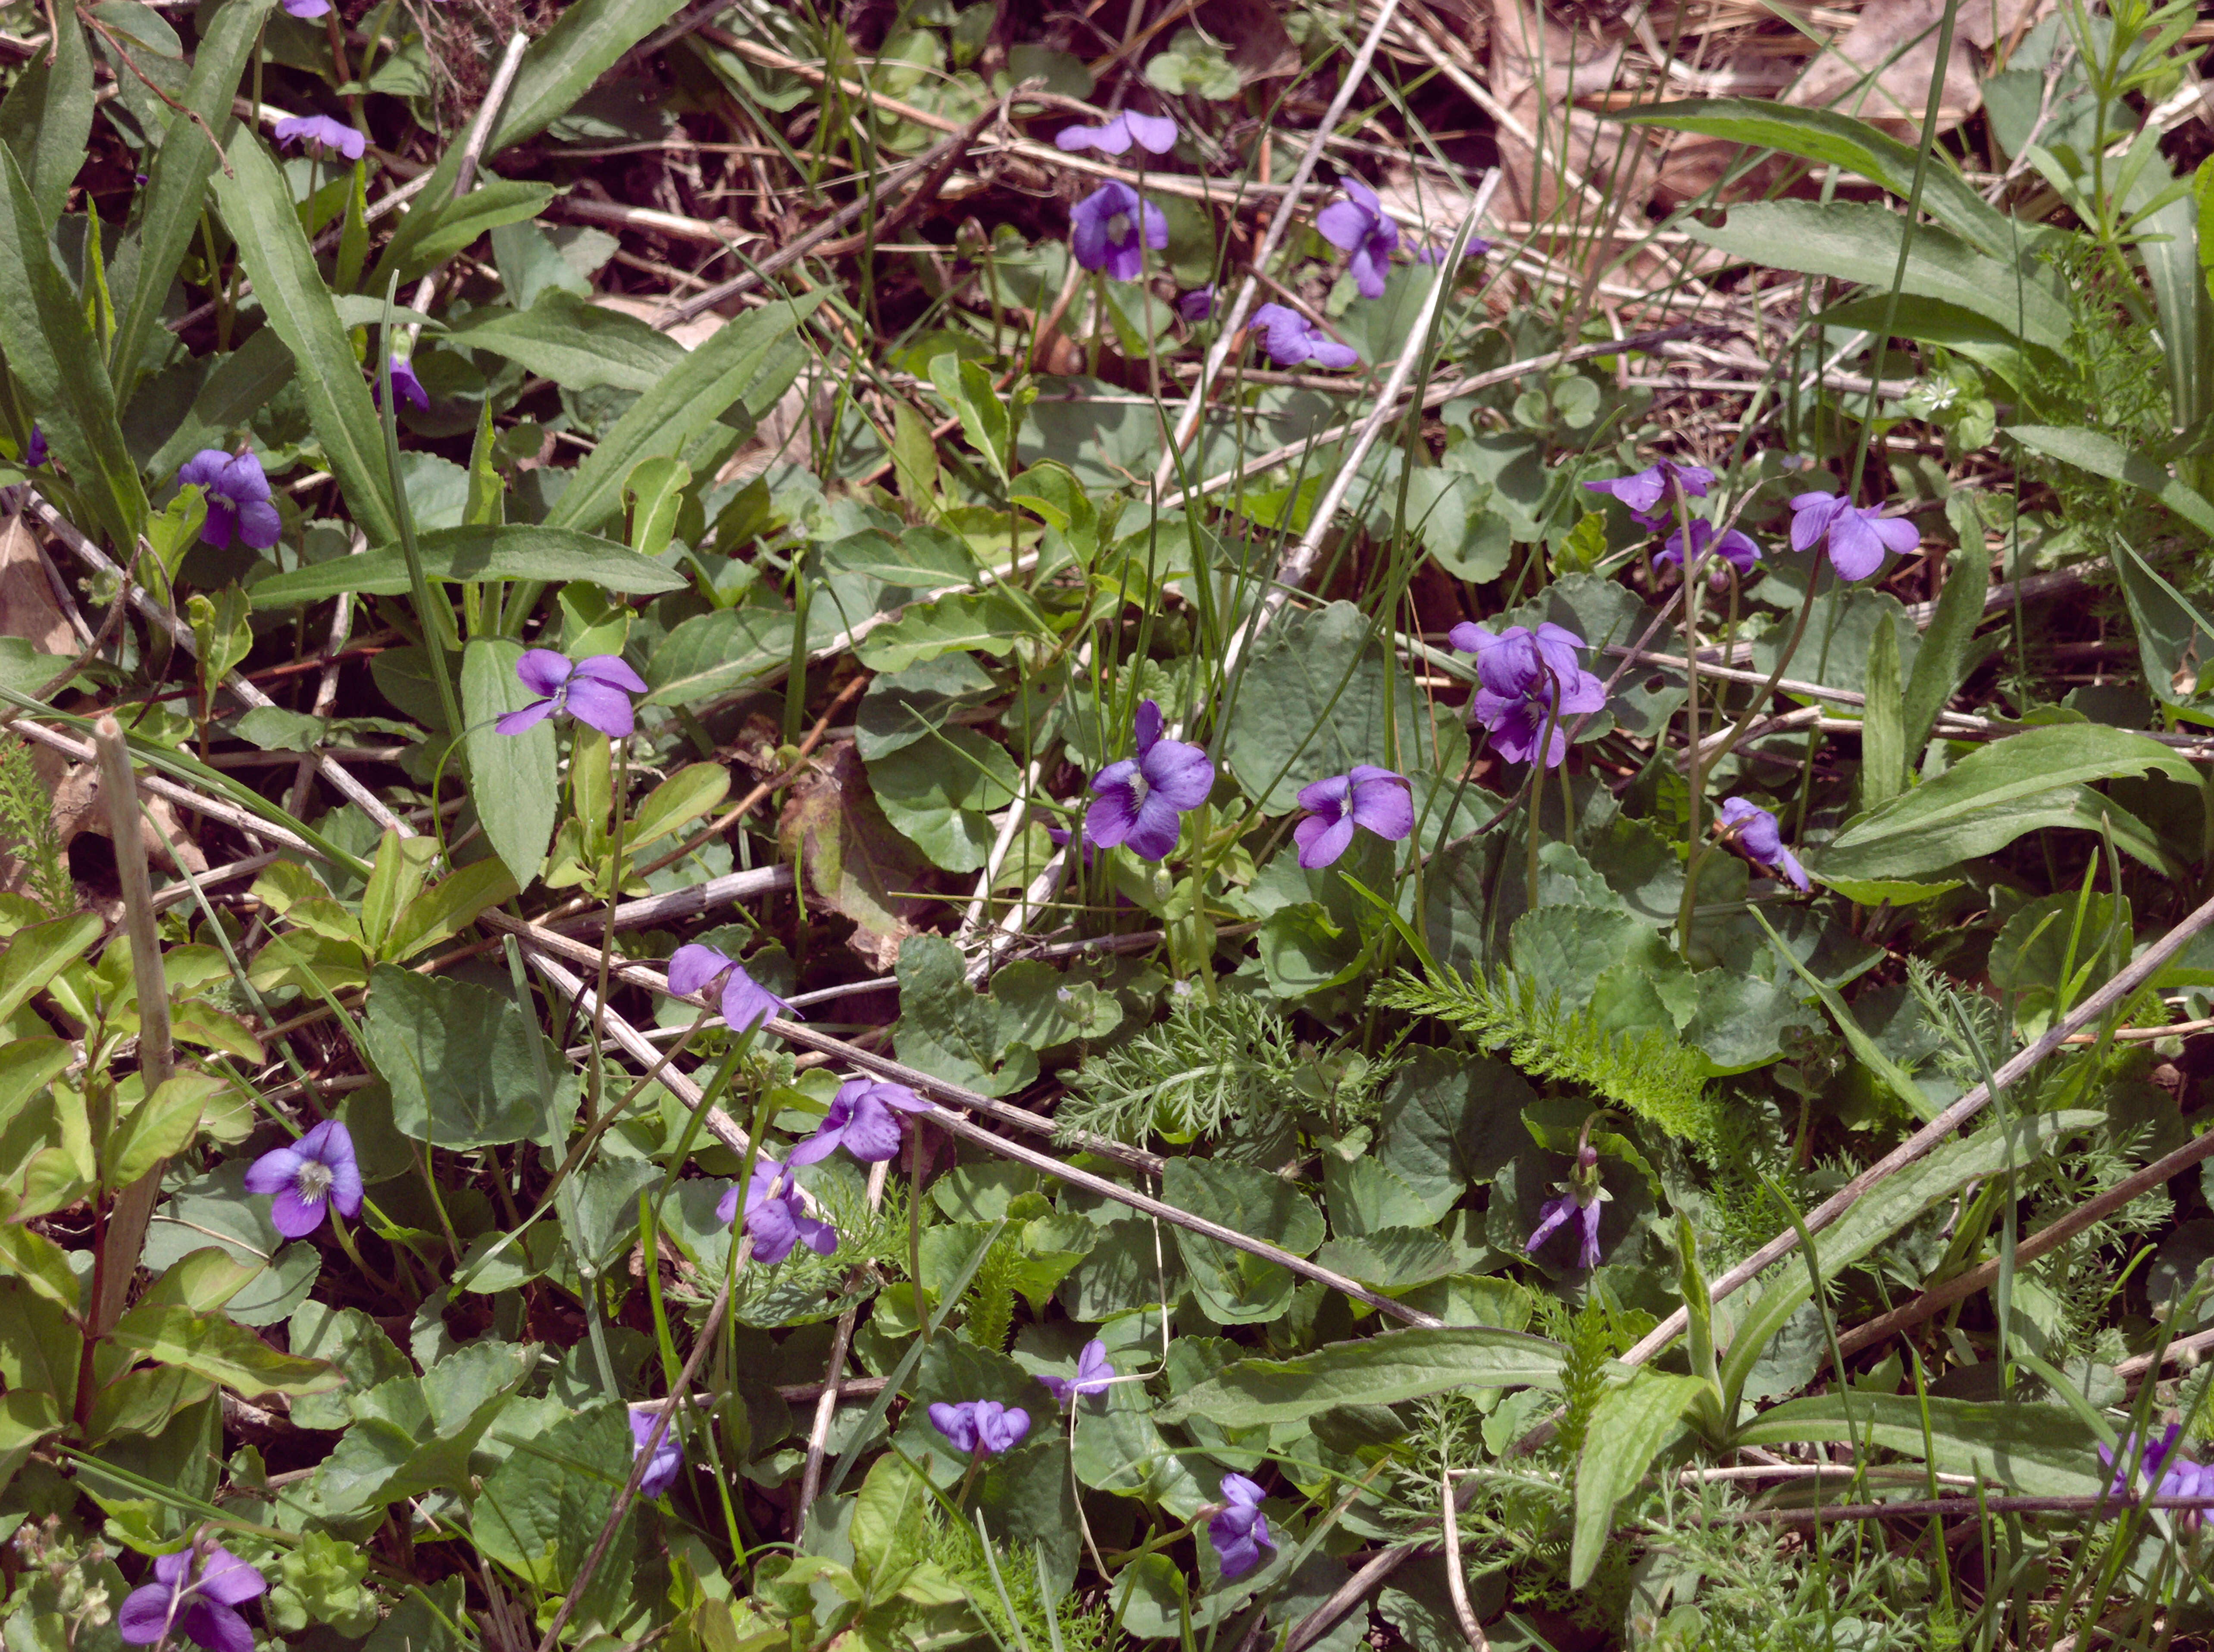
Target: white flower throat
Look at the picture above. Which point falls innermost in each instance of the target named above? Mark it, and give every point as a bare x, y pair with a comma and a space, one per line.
313, 1181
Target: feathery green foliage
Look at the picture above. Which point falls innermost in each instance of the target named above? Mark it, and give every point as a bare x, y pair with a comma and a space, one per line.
26, 828
1647, 1072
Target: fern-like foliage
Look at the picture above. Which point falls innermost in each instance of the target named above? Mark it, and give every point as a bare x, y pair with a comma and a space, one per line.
1206, 1065
1647, 1072
26, 828
989, 1307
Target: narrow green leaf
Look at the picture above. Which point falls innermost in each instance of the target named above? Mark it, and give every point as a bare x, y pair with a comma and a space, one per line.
243, 382
492, 202
1883, 736
257, 206
1859, 241
2037, 1450
517, 551
1869, 1053
2102, 455
221, 1352
1835, 139
2176, 641
513, 778
47, 117
1884, 1210
1628, 1427
1994, 795
1379, 1370
581, 46
678, 408
1942, 658
579, 346
49, 345
176, 180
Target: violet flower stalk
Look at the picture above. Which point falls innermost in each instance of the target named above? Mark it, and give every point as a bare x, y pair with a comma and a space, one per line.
1731, 546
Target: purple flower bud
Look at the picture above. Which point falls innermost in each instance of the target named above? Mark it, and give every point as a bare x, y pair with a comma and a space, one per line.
34, 451
668, 1456
405, 385
1198, 305
307, 10
318, 1170
1732, 547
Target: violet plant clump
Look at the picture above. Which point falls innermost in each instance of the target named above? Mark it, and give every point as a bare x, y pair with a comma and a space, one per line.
982, 1428
1140, 801
595, 690
1531, 682
317, 1173
1238, 1528
237, 493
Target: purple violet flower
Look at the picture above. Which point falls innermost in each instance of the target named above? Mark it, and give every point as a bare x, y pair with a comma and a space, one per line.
34, 451
1857, 538
1142, 799
307, 10
1580, 1197
1357, 225
197, 1592
1732, 547
1108, 225
1093, 1374
594, 690
778, 1221
746, 1002
1292, 342
861, 1121
1645, 492
237, 498
2167, 1475
1239, 1530
321, 133
1755, 831
405, 385
1529, 681
983, 1425
668, 1457
1369, 796
1198, 305
1153, 133
318, 1170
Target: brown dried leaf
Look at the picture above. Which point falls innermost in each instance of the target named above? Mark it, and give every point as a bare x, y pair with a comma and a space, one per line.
854, 862
28, 608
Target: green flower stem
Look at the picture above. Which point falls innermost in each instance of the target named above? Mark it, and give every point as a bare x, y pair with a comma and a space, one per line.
434, 633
